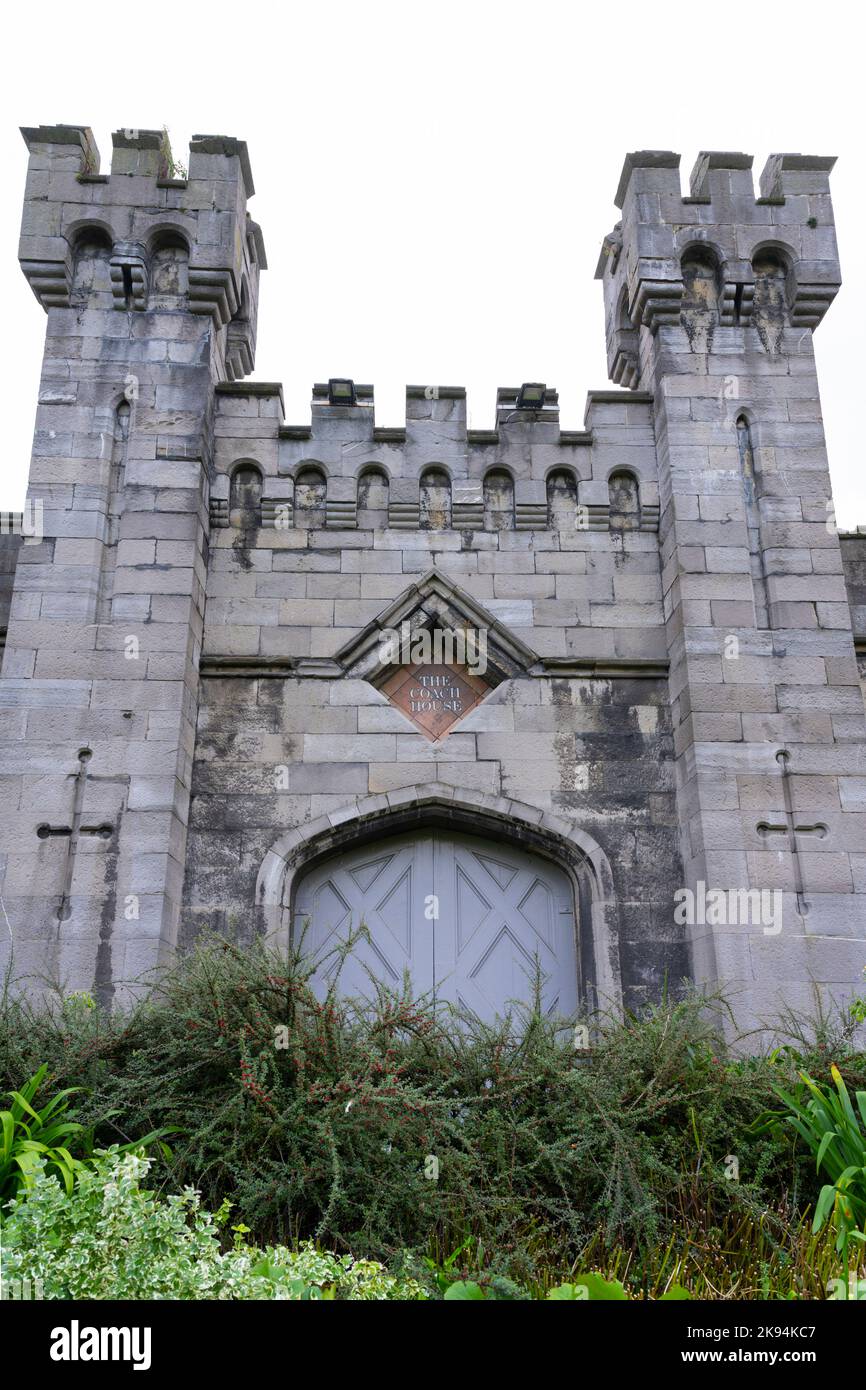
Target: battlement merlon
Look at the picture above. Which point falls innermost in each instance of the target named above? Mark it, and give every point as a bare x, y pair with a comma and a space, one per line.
343, 439
640, 263
146, 202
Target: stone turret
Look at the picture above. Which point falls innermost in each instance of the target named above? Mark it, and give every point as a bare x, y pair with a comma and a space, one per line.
149, 276
711, 301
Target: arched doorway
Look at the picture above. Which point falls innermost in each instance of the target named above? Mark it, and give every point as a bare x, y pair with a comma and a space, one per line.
367, 822
472, 921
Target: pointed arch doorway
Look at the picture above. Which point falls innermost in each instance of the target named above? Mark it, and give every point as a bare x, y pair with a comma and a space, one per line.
581, 959
472, 921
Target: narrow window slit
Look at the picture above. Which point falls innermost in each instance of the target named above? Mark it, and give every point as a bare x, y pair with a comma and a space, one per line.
127, 285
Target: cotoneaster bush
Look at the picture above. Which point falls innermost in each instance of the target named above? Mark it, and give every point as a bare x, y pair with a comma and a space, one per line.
399, 1127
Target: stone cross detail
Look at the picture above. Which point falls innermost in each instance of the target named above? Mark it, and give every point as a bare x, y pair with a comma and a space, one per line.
792, 830
74, 832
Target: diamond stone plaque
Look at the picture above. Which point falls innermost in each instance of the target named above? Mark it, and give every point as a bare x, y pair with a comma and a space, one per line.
434, 696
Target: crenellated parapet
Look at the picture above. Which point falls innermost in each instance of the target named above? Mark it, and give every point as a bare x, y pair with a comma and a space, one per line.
342, 472
171, 238
720, 256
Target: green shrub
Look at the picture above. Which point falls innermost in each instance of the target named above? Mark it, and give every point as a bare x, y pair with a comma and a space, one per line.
111, 1239
402, 1127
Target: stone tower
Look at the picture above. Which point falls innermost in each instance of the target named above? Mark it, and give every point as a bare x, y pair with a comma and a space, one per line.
711, 301
150, 285
203, 730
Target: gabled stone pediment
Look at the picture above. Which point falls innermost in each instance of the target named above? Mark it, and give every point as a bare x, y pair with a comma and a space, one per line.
435, 602
436, 654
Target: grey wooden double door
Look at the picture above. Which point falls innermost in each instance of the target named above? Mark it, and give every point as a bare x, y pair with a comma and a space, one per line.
468, 918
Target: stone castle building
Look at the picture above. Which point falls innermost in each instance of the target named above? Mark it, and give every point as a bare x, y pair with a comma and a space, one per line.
501, 695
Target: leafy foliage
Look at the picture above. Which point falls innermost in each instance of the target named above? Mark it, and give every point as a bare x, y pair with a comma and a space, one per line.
110, 1238
400, 1127
835, 1133
587, 1288
29, 1136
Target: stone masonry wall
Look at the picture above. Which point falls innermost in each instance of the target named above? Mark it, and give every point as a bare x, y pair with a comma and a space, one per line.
853, 546
149, 283
587, 736
712, 299
9, 544
188, 699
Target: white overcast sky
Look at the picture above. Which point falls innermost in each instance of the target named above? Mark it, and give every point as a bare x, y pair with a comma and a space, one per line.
434, 180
